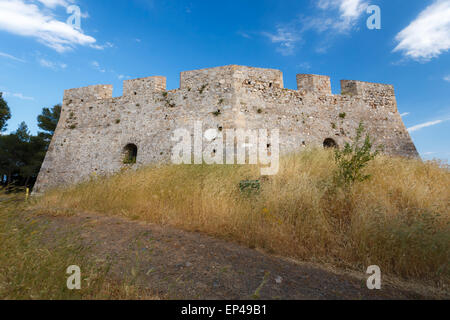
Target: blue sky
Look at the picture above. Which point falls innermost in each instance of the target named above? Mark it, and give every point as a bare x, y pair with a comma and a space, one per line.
41, 55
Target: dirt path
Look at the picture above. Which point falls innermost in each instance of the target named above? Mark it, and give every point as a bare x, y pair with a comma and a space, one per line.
183, 265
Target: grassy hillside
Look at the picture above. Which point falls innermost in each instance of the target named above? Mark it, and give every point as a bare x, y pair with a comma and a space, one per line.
398, 219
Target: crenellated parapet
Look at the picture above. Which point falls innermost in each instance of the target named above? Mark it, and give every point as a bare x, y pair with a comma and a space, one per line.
361, 88
197, 78
144, 85
89, 93
259, 78
314, 83
232, 76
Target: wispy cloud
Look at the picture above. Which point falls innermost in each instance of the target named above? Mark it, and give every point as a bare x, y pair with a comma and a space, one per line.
244, 34
447, 78
285, 38
405, 114
103, 46
97, 66
333, 17
35, 18
348, 13
17, 95
304, 65
428, 36
5, 55
52, 65
54, 3
425, 125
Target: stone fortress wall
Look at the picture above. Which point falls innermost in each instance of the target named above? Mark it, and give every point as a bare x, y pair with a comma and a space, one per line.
94, 127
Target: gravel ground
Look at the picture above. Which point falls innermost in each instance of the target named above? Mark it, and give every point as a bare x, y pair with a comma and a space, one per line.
185, 265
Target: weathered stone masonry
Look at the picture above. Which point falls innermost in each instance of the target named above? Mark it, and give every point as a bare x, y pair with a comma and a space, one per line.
95, 128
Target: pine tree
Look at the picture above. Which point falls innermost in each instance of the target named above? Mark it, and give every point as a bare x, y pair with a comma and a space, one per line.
5, 113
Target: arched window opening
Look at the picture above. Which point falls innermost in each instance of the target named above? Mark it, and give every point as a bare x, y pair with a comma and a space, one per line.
130, 154
330, 143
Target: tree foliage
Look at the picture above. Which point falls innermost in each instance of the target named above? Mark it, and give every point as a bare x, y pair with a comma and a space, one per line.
22, 154
5, 113
48, 120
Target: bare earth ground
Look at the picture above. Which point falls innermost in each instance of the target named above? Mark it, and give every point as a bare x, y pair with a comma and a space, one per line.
182, 265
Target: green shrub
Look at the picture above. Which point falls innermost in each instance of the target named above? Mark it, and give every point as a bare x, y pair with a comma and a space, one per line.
353, 159
249, 187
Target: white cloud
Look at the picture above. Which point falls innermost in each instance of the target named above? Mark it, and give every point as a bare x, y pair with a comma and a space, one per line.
244, 35
349, 12
304, 65
405, 114
122, 77
17, 95
54, 3
333, 17
447, 78
285, 38
425, 125
5, 55
96, 66
28, 19
46, 63
104, 46
52, 65
428, 36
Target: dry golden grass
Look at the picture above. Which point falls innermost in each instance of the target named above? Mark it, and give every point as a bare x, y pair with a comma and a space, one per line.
398, 220
33, 267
